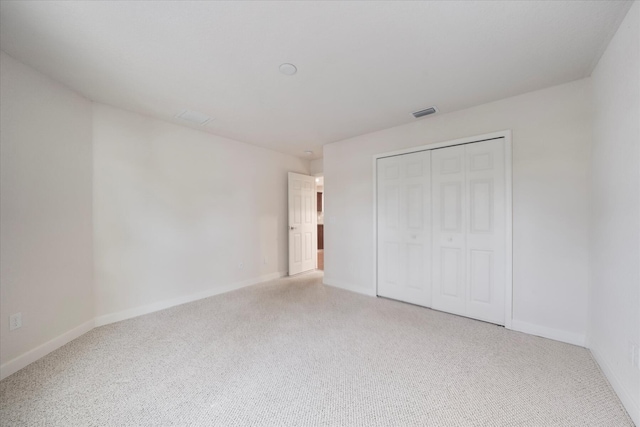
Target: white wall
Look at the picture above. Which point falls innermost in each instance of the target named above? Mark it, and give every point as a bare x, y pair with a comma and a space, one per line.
316, 167
551, 139
169, 213
614, 309
177, 210
45, 211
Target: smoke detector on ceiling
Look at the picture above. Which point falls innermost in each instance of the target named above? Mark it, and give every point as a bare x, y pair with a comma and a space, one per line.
288, 69
194, 117
425, 112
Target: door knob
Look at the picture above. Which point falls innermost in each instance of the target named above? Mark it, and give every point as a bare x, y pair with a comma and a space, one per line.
293, 228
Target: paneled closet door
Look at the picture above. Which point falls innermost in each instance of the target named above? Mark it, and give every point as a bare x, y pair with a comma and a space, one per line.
469, 226
486, 230
404, 227
449, 219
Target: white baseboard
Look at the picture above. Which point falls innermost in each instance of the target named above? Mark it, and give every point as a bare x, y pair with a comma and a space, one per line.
31, 356
14, 365
161, 305
545, 332
516, 325
348, 287
632, 406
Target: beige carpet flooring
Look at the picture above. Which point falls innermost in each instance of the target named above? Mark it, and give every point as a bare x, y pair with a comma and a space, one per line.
293, 352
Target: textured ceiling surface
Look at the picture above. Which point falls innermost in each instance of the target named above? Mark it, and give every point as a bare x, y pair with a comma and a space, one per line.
362, 66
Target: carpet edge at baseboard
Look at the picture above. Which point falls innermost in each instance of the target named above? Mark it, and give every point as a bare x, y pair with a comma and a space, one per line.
632, 407
25, 359
161, 305
30, 356
550, 333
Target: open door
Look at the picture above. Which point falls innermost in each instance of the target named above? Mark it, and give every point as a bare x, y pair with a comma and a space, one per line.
302, 223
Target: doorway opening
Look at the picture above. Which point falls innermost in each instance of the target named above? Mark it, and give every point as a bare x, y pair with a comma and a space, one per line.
320, 213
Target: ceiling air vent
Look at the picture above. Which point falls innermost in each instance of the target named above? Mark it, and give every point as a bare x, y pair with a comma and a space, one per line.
194, 117
425, 112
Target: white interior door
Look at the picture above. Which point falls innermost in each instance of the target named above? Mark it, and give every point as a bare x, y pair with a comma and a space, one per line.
303, 220
469, 227
404, 227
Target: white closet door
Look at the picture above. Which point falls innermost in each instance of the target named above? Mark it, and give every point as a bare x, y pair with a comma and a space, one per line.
404, 227
449, 208
469, 227
486, 228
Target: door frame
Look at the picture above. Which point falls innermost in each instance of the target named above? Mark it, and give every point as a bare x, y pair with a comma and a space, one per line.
506, 134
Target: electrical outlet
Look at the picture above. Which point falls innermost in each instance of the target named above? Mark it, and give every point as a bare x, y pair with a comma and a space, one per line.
15, 321
241, 265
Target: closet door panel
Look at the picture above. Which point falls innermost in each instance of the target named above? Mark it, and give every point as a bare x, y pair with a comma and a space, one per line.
448, 247
469, 230
390, 241
417, 185
441, 229
486, 228
404, 227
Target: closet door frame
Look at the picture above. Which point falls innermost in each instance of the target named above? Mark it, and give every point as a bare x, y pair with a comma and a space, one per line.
506, 134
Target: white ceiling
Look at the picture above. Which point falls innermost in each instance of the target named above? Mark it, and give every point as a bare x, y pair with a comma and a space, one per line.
362, 66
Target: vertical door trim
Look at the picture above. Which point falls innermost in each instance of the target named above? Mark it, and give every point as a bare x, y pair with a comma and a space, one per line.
506, 134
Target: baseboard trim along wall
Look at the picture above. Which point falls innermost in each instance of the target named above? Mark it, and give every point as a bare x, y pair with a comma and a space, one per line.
632, 406
347, 287
516, 325
31, 356
161, 305
20, 362
545, 332
14, 365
